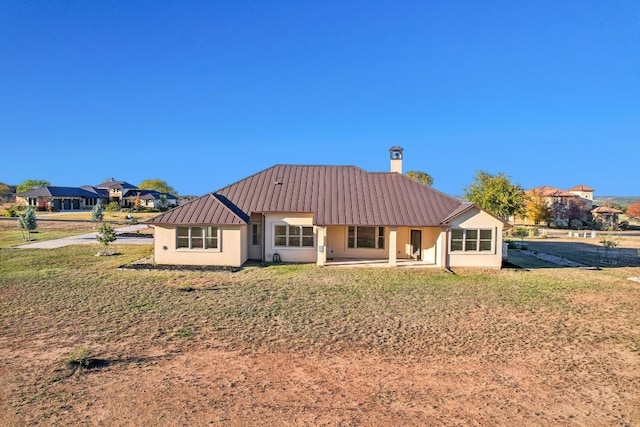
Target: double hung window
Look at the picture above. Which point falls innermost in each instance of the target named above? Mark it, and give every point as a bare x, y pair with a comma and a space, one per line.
471, 240
197, 238
292, 235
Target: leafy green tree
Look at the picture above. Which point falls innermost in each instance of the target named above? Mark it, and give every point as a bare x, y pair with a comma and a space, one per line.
158, 185
27, 221
496, 194
106, 236
97, 213
421, 177
31, 184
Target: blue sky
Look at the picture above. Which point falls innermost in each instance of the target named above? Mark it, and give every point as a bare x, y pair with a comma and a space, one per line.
204, 93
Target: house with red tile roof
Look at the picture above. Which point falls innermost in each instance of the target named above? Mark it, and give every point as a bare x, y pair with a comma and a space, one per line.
565, 205
328, 214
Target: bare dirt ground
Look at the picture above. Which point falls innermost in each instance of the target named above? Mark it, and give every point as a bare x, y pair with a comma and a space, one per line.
572, 362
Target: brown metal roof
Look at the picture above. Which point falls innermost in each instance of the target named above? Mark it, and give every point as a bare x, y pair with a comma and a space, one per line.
336, 195
208, 209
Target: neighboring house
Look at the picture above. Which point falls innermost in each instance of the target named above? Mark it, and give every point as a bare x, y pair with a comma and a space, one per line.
117, 189
87, 196
149, 199
325, 214
61, 198
565, 205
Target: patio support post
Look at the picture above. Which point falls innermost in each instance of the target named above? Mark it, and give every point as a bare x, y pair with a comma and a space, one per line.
321, 240
393, 246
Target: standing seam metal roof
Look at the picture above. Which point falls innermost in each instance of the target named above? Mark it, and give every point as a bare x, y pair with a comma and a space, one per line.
335, 195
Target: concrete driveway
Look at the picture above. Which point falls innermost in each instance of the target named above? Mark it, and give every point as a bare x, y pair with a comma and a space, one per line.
92, 238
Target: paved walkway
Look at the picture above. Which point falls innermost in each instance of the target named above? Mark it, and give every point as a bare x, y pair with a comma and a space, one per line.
92, 238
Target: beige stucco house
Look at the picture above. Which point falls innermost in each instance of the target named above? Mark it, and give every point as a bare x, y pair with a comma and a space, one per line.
329, 214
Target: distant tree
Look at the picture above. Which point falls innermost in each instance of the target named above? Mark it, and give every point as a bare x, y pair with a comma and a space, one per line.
536, 208
158, 185
106, 236
577, 209
164, 202
27, 221
4, 189
633, 210
31, 184
496, 194
137, 202
97, 213
421, 177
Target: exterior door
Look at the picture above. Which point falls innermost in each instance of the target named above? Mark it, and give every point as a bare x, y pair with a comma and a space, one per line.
416, 244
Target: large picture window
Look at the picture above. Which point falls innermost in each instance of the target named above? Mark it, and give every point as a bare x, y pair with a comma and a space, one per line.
293, 236
471, 240
197, 238
365, 237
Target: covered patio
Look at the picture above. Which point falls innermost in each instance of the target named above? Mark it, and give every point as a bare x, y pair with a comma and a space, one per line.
380, 263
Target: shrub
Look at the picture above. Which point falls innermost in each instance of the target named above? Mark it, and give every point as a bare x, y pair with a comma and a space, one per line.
97, 213
521, 232
112, 207
10, 212
78, 358
575, 224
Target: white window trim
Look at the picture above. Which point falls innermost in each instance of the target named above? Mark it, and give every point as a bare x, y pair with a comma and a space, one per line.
191, 249
301, 236
464, 241
376, 238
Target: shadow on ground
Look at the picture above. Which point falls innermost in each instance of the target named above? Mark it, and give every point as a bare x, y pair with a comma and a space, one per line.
568, 254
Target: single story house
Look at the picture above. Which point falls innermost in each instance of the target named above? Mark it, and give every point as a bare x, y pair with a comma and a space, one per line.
326, 214
606, 216
86, 197
149, 199
62, 198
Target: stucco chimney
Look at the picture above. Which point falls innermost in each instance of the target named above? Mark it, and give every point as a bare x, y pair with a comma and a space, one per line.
395, 154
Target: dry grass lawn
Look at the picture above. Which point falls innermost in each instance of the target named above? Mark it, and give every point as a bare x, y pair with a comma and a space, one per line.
299, 345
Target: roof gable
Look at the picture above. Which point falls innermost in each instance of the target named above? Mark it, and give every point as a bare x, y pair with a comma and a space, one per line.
115, 184
208, 209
